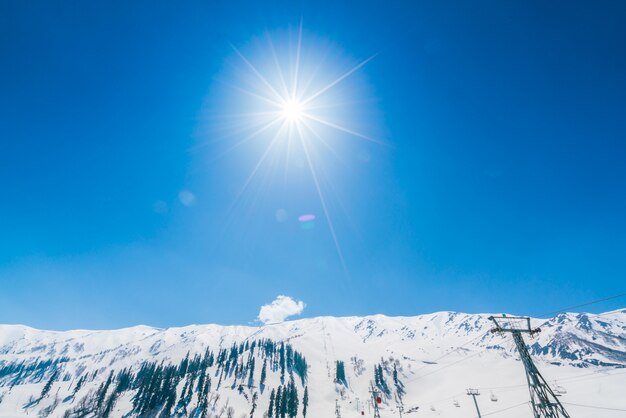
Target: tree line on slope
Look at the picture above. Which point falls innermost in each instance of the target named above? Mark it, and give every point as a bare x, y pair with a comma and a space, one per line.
155, 387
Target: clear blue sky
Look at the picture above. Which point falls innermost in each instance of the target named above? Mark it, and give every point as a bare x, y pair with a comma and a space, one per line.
503, 188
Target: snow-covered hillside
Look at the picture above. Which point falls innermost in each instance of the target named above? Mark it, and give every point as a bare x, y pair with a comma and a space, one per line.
425, 361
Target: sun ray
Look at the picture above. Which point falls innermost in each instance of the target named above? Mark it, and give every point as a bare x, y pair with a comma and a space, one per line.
278, 67
341, 128
294, 88
255, 95
322, 140
322, 201
258, 74
288, 151
246, 139
261, 160
337, 81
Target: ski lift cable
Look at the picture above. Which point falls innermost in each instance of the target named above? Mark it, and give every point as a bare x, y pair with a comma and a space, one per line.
455, 349
593, 302
438, 401
595, 407
504, 409
452, 364
571, 379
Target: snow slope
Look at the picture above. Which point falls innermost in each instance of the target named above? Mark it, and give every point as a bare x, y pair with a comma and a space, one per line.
437, 357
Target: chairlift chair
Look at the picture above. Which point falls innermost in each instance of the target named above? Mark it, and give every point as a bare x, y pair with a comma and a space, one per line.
559, 390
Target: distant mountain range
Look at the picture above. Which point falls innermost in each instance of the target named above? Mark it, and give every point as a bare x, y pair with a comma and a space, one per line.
420, 365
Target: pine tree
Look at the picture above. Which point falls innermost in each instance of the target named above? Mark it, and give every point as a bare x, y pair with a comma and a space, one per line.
263, 375
340, 373
292, 400
305, 401
102, 392
277, 402
251, 378
284, 403
397, 383
379, 379
79, 384
281, 361
255, 396
270, 411
300, 366
48, 385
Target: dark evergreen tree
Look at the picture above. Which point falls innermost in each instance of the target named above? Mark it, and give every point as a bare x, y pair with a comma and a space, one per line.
263, 376
79, 384
255, 396
398, 383
340, 373
305, 401
277, 402
251, 377
270, 410
284, 406
300, 366
46, 389
289, 358
102, 392
281, 361
292, 399
379, 379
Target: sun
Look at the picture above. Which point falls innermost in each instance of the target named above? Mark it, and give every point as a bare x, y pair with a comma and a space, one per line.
297, 106
292, 111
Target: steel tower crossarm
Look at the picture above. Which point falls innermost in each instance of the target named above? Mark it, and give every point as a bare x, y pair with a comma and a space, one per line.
544, 402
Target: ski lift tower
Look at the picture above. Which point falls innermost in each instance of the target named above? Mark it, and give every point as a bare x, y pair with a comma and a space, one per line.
474, 393
376, 399
544, 402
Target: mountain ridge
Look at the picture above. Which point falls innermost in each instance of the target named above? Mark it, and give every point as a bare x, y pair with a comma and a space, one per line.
424, 356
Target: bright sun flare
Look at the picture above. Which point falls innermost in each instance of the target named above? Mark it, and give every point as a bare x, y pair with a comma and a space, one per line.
292, 110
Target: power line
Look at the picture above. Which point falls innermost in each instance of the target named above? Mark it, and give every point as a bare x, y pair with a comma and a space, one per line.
595, 407
593, 302
454, 350
454, 363
505, 409
571, 379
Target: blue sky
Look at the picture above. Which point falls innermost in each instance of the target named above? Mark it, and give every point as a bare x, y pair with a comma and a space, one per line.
501, 187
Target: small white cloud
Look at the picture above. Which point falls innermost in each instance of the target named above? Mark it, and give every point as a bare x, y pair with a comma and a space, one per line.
187, 198
280, 309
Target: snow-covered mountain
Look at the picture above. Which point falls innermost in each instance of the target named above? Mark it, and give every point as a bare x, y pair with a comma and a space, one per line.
424, 362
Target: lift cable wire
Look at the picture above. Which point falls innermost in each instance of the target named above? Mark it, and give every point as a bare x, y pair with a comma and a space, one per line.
594, 407
593, 302
453, 363
571, 379
504, 409
454, 350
